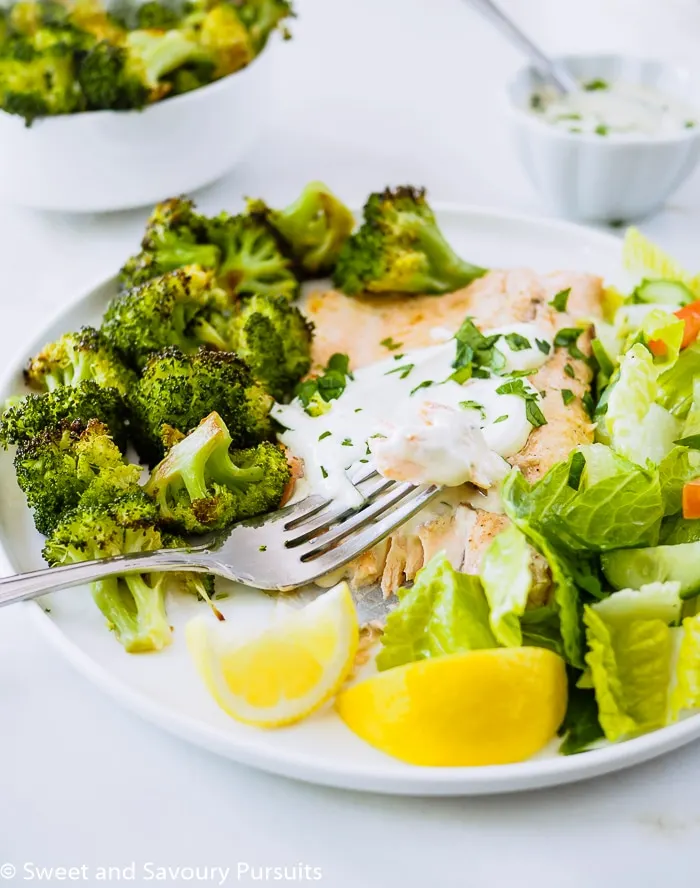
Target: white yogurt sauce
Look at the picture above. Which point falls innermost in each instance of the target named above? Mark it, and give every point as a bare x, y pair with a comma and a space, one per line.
438, 445
613, 109
392, 398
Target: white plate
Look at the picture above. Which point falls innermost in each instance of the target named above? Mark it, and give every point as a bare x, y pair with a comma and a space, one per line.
163, 687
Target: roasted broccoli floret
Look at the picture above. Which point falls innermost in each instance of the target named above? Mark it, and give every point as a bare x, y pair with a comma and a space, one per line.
262, 17
242, 250
37, 61
274, 338
77, 357
314, 227
55, 468
92, 17
180, 308
190, 77
175, 236
27, 417
202, 485
44, 17
134, 605
37, 82
176, 391
252, 259
131, 74
399, 248
225, 38
156, 15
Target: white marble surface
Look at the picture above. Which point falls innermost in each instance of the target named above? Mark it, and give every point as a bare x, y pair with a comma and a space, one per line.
371, 92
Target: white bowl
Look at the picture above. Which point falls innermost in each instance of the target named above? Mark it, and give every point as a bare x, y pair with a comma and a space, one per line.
115, 160
613, 178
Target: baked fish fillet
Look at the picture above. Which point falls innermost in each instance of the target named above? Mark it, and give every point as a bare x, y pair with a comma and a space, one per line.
357, 326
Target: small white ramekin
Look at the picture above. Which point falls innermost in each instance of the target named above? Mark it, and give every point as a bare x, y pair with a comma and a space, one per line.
613, 178
110, 160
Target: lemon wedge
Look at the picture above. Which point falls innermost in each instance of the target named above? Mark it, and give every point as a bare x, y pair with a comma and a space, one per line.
485, 707
284, 673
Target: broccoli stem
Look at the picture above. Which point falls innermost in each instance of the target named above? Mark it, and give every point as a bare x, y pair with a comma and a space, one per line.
152, 627
135, 610
175, 253
161, 53
209, 335
202, 456
451, 269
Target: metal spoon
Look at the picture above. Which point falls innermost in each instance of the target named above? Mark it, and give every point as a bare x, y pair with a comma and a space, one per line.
551, 70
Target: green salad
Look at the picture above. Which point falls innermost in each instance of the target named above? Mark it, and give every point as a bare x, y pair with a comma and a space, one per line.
618, 524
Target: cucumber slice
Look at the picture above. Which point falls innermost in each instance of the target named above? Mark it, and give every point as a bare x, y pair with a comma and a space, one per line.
664, 292
632, 568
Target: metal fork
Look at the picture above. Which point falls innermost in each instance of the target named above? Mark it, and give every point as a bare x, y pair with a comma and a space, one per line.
281, 551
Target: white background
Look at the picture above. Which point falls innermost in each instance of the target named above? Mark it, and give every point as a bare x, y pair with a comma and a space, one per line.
371, 92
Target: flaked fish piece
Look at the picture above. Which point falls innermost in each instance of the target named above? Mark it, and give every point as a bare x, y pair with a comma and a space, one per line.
357, 327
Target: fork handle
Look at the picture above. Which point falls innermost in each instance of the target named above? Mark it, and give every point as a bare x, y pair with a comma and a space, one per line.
22, 587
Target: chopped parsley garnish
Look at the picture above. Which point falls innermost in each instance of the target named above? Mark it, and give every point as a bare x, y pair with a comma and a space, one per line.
567, 338
567, 396
330, 385
516, 342
473, 405
692, 441
476, 353
363, 460
558, 303
402, 371
690, 124
323, 471
500, 419
543, 346
323, 435
596, 84
262, 548
358, 409
536, 101
601, 130
346, 442
589, 404
421, 385
391, 344
517, 387
398, 357
569, 370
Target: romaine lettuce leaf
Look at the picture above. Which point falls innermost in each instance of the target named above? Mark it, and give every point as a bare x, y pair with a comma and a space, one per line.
675, 470
581, 726
523, 505
445, 612
655, 601
630, 666
642, 258
506, 577
677, 529
541, 627
677, 383
691, 426
617, 504
685, 693
637, 427
666, 327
